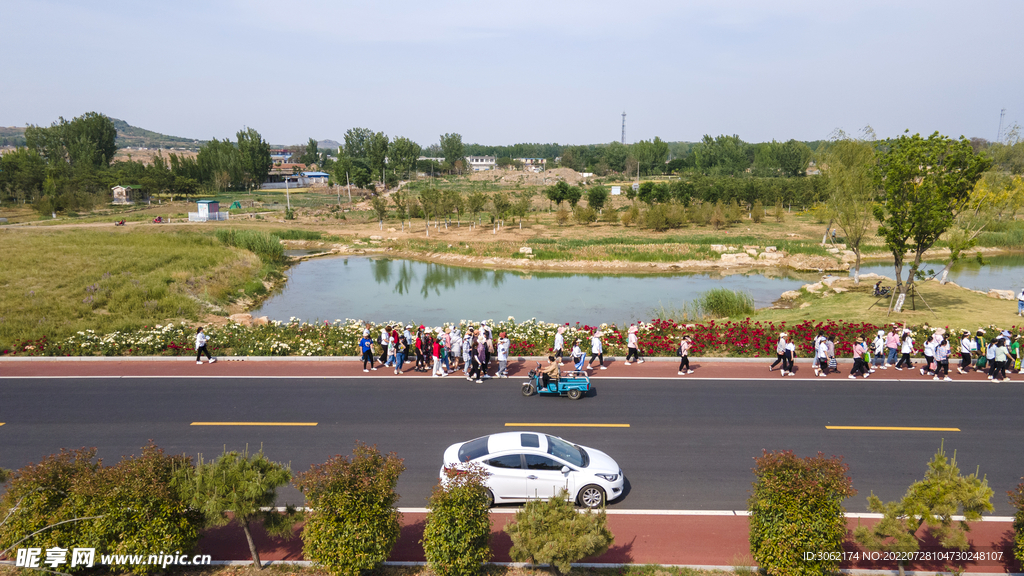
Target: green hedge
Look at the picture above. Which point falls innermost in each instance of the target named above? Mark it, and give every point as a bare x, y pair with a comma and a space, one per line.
456, 538
796, 508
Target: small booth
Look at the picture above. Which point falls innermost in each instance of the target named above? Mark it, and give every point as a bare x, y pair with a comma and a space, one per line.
208, 210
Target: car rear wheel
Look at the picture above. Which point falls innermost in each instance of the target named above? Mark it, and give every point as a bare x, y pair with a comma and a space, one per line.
575, 394
528, 389
591, 496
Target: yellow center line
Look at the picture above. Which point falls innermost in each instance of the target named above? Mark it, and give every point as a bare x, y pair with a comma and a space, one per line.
897, 428
2, 423
550, 425
253, 424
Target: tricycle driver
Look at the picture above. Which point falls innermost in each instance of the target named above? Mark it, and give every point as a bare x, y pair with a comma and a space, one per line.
551, 372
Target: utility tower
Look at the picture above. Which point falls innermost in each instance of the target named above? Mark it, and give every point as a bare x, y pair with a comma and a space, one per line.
999, 135
624, 126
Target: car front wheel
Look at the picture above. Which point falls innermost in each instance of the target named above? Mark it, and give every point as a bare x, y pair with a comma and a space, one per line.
490, 499
591, 496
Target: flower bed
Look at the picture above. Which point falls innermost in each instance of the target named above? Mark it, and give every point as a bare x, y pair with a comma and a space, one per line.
743, 338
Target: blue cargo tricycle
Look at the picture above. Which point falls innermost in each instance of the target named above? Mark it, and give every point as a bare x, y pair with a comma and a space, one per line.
574, 384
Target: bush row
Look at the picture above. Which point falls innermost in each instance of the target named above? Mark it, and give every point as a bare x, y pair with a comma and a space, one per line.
659, 337
157, 504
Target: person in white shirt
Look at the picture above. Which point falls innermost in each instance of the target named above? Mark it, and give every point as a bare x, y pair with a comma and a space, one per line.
929, 356
559, 345
578, 357
787, 363
818, 356
942, 360
596, 351
1020, 303
503, 347
966, 348
780, 354
878, 347
822, 357
201, 340
906, 349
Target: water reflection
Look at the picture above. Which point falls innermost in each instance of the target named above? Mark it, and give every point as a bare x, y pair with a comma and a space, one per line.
384, 289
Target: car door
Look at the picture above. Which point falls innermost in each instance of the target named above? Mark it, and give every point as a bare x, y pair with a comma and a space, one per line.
507, 478
544, 477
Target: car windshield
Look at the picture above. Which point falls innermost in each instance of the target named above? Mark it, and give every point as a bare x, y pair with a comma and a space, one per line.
569, 452
473, 449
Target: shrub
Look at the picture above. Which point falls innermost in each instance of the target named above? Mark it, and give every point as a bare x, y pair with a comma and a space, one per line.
757, 212
1017, 499
717, 215
130, 508
585, 215
609, 216
779, 213
631, 216
554, 533
562, 216
456, 538
795, 507
723, 303
353, 524
267, 246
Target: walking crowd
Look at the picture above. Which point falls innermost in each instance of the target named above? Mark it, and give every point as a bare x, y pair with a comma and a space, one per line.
997, 355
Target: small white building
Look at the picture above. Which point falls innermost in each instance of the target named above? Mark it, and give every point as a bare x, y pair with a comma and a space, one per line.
533, 164
208, 210
478, 163
127, 194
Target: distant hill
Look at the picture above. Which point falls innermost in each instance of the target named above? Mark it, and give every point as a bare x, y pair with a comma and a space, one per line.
127, 136
331, 145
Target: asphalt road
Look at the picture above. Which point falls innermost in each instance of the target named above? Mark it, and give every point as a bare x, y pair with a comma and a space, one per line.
690, 444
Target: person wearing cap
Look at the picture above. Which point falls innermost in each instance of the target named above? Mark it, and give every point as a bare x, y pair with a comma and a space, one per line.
892, 346
966, 348
818, 357
456, 349
559, 345
385, 335
632, 343
780, 354
550, 373
1014, 347
684, 355
596, 351
878, 348
860, 367
366, 346
446, 349
481, 355
788, 362
503, 347
401, 352
1001, 355
577, 355
421, 349
929, 356
942, 360
467, 351
906, 349
474, 359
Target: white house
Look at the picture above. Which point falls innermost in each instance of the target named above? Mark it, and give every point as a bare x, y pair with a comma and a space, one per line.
127, 194
478, 163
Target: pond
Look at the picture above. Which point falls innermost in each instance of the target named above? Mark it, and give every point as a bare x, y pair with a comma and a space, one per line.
382, 289
1005, 272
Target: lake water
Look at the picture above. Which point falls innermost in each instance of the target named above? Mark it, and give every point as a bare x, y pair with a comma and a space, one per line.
1001, 272
382, 289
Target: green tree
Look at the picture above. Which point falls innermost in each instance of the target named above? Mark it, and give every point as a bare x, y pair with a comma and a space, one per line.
558, 192
356, 142
376, 155
254, 157
353, 523
430, 200
475, 203
722, 155
244, 485
852, 190
923, 181
932, 502
646, 192
403, 154
456, 538
453, 149
1017, 501
380, 206
501, 204
522, 204
997, 197
311, 153
573, 195
797, 505
554, 533
451, 201
597, 196
650, 155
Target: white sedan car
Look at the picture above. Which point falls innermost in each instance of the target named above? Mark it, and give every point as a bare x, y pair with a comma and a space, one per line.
529, 465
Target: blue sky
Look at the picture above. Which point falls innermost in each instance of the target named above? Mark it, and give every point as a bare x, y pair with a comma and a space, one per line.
501, 73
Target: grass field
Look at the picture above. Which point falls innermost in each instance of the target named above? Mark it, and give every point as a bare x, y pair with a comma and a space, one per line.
57, 282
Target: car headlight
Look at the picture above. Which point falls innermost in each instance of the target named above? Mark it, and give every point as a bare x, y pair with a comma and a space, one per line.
608, 477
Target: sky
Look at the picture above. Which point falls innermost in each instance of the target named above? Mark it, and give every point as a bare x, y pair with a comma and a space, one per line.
509, 72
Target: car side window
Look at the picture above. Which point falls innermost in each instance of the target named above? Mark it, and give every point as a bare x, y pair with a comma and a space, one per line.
538, 462
507, 461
